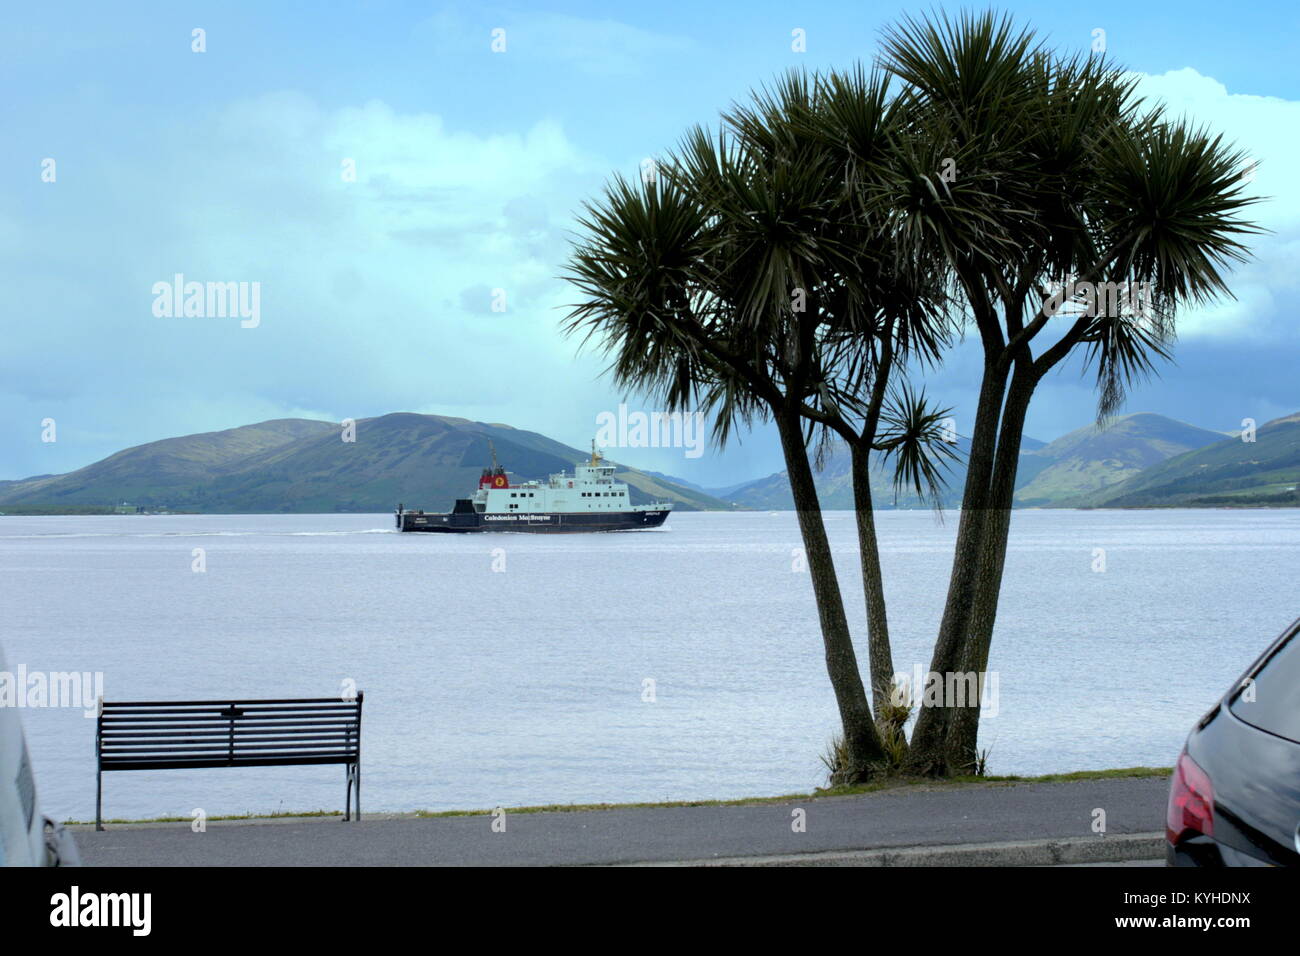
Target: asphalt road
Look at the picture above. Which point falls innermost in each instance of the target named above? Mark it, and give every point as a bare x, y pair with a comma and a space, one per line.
903, 818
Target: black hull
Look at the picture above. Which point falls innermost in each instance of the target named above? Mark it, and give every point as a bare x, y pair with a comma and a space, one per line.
458, 522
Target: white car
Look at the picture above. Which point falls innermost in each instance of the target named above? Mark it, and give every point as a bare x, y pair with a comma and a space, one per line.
27, 838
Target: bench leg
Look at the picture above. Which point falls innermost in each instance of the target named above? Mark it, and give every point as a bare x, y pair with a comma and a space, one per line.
347, 806
99, 799
354, 781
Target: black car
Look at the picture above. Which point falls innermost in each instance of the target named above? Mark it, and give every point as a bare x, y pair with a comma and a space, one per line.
1235, 795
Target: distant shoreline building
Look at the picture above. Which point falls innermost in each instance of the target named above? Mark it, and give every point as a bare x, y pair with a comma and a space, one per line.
126, 508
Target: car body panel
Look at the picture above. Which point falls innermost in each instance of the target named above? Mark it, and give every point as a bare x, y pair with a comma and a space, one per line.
1255, 776
27, 838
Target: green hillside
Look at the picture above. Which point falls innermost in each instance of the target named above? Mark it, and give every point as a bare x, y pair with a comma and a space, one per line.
421, 461
1230, 472
835, 485
1067, 472
1078, 466
160, 470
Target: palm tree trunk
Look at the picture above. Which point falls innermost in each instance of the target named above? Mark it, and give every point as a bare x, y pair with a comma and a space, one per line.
880, 654
927, 754
862, 741
961, 745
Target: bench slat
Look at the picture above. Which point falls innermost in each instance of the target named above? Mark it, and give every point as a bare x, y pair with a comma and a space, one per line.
215, 725
223, 714
225, 718
227, 701
284, 743
163, 735
200, 764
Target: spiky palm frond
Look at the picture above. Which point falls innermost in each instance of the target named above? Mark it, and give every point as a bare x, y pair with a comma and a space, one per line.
1067, 174
642, 295
834, 230
916, 438
970, 67
1176, 193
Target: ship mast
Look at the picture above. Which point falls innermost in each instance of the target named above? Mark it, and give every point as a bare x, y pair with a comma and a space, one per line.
496, 475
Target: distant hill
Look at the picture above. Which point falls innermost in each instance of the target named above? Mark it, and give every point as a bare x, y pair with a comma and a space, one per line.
1077, 467
1067, 472
726, 491
1225, 473
835, 485
426, 461
298, 465
674, 480
155, 470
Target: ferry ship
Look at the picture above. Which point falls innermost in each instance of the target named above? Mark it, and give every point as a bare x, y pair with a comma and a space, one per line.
588, 500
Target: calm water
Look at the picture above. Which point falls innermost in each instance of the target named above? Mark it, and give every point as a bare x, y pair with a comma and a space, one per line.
525, 686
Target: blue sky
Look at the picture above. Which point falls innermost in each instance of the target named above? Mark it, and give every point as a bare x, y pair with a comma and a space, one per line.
376, 295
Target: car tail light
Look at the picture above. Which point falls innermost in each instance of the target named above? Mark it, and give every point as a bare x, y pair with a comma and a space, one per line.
1191, 801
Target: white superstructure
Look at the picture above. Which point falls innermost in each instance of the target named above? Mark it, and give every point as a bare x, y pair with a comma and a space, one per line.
590, 489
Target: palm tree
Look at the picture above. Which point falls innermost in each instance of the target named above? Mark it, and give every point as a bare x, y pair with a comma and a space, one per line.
687, 284
756, 281
801, 264
1072, 182
883, 307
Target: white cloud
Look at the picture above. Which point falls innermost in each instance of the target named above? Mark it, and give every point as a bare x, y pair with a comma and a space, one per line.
367, 287
1267, 129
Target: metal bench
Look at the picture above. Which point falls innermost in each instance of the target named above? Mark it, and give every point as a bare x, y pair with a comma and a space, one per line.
175, 735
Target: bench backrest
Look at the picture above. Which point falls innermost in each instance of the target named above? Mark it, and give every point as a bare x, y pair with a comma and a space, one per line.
152, 734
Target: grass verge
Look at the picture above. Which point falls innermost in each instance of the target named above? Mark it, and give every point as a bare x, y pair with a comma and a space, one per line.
894, 783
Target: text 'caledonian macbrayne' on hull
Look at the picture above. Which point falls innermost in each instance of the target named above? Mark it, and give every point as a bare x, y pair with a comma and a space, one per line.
588, 500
